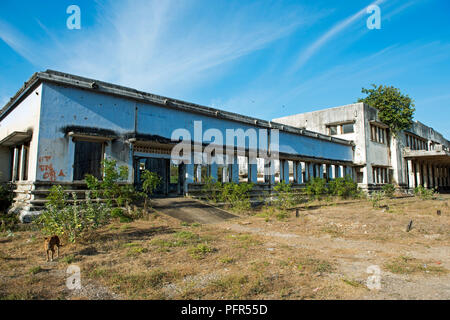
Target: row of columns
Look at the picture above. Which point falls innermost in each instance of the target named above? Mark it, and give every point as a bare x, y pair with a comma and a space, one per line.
302, 171
428, 175
19, 163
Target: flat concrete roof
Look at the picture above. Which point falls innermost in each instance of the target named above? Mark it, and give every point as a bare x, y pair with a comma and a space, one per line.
432, 156
116, 90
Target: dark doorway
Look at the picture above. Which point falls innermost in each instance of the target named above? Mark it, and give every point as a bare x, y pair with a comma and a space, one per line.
172, 175
88, 158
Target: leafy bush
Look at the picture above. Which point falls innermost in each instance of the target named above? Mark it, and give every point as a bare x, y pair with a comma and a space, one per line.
285, 197
424, 193
237, 195
375, 198
150, 181
109, 187
316, 188
388, 190
71, 221
343, 187
212, 189
6, 197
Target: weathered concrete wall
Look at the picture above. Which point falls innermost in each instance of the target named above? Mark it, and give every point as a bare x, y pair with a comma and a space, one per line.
25, 117
63, 107
317, 121
67, 106
377, 154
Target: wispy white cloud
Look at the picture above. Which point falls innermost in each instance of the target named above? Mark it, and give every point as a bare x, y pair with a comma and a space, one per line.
156, 45
314, 47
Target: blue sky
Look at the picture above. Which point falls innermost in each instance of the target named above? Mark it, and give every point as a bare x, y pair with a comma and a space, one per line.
265, 59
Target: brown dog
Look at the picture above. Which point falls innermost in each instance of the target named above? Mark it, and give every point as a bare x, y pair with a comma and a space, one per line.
50, 244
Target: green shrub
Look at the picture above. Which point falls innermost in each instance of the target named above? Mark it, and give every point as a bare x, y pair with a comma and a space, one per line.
285, 197
388, 190
237, 195
316, 188
6, 197
424, 193
200, 251
150, 181
212, 189
109, 188
375, 198
343, 187
71, 220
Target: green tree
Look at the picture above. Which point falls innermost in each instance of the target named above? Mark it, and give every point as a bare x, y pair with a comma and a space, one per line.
395, 109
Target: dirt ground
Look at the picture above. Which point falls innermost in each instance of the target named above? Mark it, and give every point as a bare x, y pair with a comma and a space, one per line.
324, 253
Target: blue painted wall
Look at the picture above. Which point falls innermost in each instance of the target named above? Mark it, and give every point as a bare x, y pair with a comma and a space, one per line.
67, 106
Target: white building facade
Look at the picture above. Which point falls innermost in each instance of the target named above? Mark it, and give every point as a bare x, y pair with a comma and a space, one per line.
417, 156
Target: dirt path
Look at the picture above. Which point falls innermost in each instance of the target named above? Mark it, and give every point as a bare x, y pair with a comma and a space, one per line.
190, 210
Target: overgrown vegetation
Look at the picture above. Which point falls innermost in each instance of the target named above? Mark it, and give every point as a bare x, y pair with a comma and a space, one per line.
72, 218
285, 197
344, 188
395, 109
388, 190
318, 188
235, 195
6, 197
424, 193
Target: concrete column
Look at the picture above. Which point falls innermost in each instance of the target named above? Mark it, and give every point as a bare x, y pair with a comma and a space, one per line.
15, 163
268, 174
419, 174
252, 171
299, 169
425, 176
307, 174
213, 173
311, 170
22, 162
438, 174
235, 170
435, 175
285, 171
412, 181
430, 176
320, 170
341, 171
189, 173
199, 173
333, 171
225, 174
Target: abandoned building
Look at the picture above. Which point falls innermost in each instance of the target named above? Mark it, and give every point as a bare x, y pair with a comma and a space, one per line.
417, 156
59, 127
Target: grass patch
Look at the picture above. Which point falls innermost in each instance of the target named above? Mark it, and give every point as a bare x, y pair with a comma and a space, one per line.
333, 231
200, 251
353, 283
35, 270
226, 260
311, 265
135, 251
408, 265
69, 259
244, 240
142, 284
